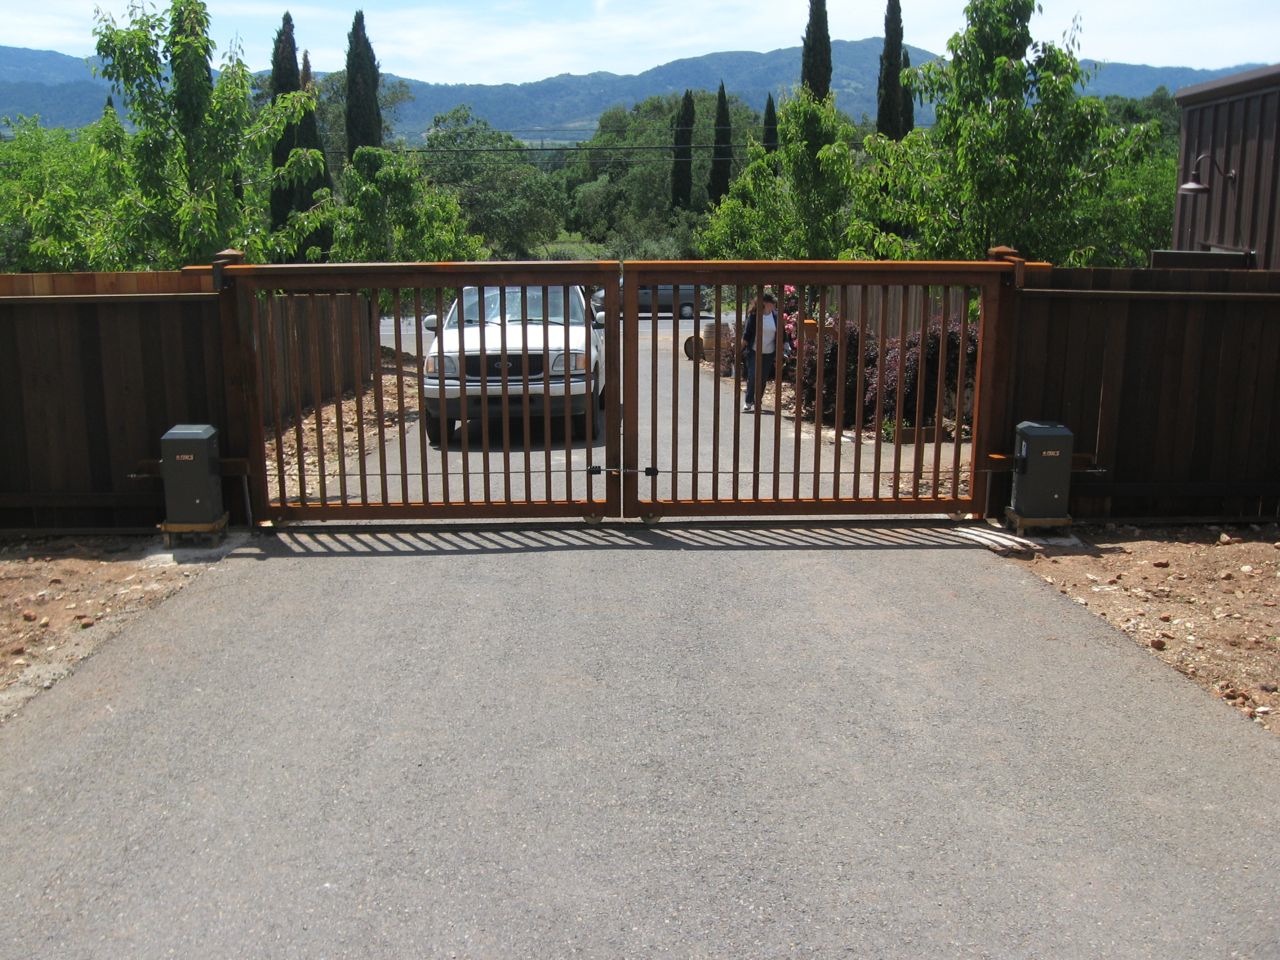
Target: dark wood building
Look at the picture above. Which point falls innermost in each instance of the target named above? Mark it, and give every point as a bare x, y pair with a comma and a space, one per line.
1229, 129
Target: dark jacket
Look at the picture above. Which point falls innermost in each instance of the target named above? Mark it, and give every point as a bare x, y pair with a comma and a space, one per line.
749, 332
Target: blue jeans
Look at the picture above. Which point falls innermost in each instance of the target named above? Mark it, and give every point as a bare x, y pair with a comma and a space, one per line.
768, 372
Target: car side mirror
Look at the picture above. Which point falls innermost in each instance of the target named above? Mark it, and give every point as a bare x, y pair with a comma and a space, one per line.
600, 319
430, 322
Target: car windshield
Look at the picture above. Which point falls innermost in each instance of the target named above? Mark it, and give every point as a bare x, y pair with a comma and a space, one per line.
516, 304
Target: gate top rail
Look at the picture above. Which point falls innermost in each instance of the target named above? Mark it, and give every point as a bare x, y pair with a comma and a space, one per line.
819, 272
349, 276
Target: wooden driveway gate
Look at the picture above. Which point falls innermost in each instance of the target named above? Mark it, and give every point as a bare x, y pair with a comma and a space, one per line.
343, 365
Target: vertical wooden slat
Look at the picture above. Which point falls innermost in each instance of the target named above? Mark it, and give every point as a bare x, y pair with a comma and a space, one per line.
717, 361
739, 347
940, 389
317, 394
445, 423
401, 419
379, 400
527, 415
292, 340
904, 315
675, 387
335, 358
917, 460
420, 353
270, 308
504, 360
486, 472
353, 312
546, 407
696, 417
883, 309
568, 406
653, 391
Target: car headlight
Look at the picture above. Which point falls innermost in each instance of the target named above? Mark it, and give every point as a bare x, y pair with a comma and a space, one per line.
577, 362
449, 367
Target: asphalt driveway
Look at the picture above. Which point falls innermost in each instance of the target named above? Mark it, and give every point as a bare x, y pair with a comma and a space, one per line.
691, 741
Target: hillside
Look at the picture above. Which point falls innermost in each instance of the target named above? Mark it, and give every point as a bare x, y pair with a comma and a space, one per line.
63, 91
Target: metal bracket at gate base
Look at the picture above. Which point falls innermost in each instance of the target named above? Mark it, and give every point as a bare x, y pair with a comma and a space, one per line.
597, 470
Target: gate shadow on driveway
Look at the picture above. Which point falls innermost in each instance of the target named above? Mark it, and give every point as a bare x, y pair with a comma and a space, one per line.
456, 539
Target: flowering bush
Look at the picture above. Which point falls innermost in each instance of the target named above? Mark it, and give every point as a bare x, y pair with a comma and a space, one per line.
879, 365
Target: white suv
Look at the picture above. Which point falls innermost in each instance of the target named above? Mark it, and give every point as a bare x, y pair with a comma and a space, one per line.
501, 350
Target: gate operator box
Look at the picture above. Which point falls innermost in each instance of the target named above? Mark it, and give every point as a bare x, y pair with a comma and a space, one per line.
1042, 470
192, 474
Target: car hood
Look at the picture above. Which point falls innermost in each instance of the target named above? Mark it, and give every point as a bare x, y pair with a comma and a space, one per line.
517, 337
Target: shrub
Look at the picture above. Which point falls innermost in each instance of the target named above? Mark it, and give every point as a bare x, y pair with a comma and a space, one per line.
879, 365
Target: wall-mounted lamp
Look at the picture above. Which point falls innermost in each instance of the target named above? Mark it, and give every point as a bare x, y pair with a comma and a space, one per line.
1194, 187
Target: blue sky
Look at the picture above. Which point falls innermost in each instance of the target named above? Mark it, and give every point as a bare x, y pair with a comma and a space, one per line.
513, 41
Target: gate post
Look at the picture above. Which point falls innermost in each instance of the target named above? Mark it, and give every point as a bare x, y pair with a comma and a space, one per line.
244, 437
993, 393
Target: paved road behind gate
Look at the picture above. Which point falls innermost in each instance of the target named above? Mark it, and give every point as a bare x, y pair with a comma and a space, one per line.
690, 742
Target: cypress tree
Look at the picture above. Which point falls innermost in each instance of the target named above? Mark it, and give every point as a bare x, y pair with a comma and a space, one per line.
889, 93
284, 79
770, 126
815, 59
309, 139
722, 154
364, 116
908, 122
682, 165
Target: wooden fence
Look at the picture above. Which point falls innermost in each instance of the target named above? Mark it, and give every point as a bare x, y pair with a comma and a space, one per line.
1166, 378
94, 369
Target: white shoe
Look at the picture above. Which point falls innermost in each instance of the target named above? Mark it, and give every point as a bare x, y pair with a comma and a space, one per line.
748, 407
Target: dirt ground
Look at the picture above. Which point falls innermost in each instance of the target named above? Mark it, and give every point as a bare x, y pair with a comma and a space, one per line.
63, 597
1202, 599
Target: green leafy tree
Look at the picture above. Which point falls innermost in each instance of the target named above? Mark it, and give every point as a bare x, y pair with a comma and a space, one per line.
682, 161
889, 92
391, 213
792, 204
815, 55
200, 160
722, 151
1014, 156
770, 139
63, 198
363, 113
512, 204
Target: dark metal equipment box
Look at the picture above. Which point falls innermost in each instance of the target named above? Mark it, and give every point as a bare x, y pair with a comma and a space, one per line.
1042, 470
192, 474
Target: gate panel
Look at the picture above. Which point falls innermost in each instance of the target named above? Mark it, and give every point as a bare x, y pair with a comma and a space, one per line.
874, 410
436, 391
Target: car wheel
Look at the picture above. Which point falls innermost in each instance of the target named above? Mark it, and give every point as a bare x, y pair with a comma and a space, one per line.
434, 432
686, 311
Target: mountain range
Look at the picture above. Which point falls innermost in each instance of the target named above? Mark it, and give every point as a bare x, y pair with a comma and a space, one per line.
63, 91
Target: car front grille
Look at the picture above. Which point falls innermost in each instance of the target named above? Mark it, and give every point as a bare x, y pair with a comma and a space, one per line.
495, 366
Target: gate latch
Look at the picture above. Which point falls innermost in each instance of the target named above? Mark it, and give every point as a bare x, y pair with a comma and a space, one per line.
596, 470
